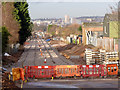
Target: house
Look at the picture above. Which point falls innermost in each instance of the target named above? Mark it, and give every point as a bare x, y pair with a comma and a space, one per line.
91, 31
110, 26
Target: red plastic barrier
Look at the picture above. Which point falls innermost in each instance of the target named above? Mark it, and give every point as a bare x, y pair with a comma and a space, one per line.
39, 71
93, 70
65, 70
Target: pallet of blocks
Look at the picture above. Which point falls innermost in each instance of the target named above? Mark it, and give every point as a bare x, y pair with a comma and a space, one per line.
111, 58
96, 57
88, 56
102, 55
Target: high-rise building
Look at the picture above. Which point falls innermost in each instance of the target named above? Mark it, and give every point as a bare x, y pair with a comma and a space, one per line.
71, 20
67, 19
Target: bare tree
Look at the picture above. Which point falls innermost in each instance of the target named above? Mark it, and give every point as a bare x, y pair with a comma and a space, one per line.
115, 15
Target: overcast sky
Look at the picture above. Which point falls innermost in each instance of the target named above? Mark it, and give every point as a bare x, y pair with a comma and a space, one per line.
73, 9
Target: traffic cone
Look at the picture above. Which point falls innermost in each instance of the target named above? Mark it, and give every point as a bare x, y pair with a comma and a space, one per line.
41, 53
45, 60
40, 50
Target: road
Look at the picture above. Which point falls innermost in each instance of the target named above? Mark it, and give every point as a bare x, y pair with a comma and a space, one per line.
80, 83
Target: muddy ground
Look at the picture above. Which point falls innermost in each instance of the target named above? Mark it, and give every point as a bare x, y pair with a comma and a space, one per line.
13, 58
8, 60
63, 48
8, 84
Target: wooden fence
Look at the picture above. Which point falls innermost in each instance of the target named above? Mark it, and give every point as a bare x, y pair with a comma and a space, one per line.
109, 44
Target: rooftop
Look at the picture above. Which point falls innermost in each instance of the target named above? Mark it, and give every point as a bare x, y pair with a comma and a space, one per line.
93, 24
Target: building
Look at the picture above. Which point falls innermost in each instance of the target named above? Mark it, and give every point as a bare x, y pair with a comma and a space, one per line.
67, 19
110, 26
71, 20
90, 32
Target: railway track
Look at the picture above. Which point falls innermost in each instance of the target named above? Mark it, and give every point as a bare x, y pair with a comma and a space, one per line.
32, 55
47, 51
54, 55
38, 59
61, 57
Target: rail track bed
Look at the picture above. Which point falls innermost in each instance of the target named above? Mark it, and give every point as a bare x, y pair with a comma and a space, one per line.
32, 55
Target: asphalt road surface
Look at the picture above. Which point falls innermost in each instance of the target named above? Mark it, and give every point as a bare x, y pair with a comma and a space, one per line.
80, 83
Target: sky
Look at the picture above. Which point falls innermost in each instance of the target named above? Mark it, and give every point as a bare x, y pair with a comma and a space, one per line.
73, 9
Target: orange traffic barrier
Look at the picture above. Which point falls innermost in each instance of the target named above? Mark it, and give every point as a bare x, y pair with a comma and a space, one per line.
26, 43
67, 70
22, 73
112, 69
16, 73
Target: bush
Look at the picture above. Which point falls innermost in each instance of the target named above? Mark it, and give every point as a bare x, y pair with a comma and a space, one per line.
5, 35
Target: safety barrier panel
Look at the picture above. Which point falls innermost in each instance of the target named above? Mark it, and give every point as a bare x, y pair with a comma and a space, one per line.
93, 70
39, 71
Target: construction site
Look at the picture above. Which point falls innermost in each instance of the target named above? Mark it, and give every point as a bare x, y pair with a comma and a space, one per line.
76, 52
38, 52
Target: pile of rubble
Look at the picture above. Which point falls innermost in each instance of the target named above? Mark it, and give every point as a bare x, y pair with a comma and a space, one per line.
8, 84
13, 58
66, 47
75, 53
74, 50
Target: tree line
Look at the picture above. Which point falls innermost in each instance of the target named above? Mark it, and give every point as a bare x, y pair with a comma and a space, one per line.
21, 14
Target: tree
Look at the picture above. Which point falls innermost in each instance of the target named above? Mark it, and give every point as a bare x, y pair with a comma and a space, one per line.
80, 28
22, 16
49, 27
5, 35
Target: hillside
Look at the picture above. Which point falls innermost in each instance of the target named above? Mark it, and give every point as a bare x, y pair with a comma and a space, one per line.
64, 31
9, 22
